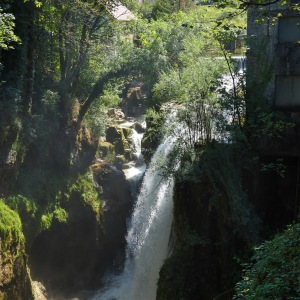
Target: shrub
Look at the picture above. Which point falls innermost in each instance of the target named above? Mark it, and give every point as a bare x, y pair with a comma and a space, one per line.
274, 271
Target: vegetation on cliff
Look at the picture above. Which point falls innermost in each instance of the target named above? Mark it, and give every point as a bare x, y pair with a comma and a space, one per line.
11, 230
14, 277
64, 65
274, 268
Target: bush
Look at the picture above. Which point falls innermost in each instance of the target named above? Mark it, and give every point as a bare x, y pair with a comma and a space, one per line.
274, 271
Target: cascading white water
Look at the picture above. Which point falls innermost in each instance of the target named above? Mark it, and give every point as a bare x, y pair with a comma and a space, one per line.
148, 235
137, 167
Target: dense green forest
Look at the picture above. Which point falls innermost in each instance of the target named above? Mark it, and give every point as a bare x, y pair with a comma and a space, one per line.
64, 64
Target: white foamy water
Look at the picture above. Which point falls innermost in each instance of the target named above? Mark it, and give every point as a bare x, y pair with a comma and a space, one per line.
137, 167
148, 235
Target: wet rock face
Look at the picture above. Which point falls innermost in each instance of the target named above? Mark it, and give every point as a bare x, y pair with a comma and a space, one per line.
116, 113
139, 127
202, 265
113, 134
118, 202
133, 104
14, 278
116, 191
73, 256
65, 257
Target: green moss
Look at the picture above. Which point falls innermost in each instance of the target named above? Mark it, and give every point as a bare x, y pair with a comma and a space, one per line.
121, 144
46, 221
105, 150
58, 214
84, 188
10, 228
153, 133
21, 204
126, 132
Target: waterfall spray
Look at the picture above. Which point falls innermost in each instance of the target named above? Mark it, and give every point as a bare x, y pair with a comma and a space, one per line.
148, 234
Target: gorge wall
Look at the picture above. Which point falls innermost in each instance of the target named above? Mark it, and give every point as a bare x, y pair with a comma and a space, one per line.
216, 225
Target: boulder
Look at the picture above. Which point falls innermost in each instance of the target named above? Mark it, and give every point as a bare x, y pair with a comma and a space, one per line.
116, 191
120, 160
133, 103
113, 134
138, 127
14, 277
116, 113
128, 154
105, 149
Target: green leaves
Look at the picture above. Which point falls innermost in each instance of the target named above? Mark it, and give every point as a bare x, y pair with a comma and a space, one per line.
275, 269
7, 36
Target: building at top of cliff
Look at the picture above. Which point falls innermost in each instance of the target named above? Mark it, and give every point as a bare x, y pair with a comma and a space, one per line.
120, 12
273, 58
273, 99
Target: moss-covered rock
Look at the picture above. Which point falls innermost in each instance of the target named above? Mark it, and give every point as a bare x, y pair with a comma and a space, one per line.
65, 253
126, 132
120, 160
153, 133
118, 137
83, 188
122, 143
113, 134
85, 235
105, 150
14, 278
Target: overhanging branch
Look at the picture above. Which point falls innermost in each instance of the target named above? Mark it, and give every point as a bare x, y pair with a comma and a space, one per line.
258, 3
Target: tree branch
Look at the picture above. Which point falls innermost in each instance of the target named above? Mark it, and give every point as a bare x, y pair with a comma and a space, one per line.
97, 90
257, 3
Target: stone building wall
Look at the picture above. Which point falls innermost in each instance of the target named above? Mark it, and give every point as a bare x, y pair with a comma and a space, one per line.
271, 59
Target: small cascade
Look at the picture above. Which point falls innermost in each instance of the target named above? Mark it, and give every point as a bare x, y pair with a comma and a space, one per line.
148, 235
240, 63
136, 168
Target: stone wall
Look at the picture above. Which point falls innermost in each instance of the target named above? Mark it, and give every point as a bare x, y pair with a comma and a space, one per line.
267, 57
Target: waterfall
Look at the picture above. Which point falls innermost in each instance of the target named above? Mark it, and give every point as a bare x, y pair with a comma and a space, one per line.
137, 167
240, 63
148, 235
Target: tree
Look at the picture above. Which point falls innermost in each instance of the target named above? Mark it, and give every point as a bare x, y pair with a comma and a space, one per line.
7, 36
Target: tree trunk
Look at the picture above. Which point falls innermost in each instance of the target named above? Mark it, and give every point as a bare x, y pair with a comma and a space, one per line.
97, 90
